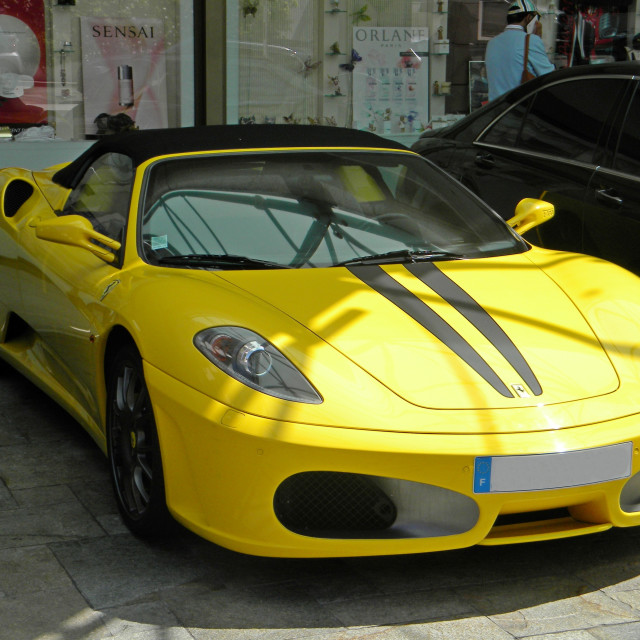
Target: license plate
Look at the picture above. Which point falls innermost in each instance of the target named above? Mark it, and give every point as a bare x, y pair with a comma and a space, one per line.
538, 472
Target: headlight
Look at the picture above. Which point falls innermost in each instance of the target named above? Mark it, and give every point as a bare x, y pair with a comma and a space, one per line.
254, 361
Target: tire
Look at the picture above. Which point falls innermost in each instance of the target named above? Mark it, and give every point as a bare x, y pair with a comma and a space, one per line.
134, 452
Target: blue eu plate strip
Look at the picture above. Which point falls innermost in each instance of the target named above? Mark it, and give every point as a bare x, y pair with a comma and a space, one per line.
556, 470
482, 475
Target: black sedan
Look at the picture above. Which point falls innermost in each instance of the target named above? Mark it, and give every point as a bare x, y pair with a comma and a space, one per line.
572, 138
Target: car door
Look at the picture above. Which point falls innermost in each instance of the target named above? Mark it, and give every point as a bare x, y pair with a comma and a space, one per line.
63, 286
546, 146
612, 205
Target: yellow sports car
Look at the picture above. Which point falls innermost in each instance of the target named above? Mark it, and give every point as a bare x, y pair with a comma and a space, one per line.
309, 341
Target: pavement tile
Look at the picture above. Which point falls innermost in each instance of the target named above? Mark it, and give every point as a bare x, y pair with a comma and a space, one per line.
453, 569
7, 499
276, 634
112, 524
121, 570
55, 614
44, 496
51, 463
564, 635
474, 628
617, 572
571, 614
10, 432
628, 596
525, 592
29, 415
465, 629
147, 620
401, 608
338, 586
40, 525
28, 570
410, 632
278, 606
96, 496
630, 631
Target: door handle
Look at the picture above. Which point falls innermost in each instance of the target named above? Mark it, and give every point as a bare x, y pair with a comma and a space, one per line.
609, 197
485, 160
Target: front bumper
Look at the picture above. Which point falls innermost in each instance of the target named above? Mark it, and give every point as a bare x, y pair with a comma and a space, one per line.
274, 488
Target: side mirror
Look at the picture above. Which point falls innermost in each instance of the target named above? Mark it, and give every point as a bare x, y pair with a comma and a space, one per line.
530, 213
77, 231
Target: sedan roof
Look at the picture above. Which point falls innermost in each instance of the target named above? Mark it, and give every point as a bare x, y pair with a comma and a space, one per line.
150, 143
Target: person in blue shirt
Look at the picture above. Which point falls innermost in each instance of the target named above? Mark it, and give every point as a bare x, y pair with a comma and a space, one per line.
504, 59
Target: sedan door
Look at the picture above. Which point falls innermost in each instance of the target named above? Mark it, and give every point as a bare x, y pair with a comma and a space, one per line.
547, 147
612, 206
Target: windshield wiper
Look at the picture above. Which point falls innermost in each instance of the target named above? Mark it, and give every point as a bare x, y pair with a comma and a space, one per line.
221, 261
402, 255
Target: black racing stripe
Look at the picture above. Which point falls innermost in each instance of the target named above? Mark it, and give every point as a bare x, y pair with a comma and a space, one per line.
383, 283
460, 300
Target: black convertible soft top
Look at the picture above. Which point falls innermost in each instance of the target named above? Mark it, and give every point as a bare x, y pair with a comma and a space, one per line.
150, 143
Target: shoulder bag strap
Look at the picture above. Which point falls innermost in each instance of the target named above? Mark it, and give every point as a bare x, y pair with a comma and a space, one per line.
526, 74
526, 52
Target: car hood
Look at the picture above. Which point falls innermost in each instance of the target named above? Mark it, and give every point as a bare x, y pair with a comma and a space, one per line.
474, 334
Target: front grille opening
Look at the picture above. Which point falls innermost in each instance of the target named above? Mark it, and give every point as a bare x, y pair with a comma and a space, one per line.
532, 516
328, 504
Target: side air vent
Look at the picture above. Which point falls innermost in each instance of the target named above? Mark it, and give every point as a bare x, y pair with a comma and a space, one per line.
333, 504
15, 195
329, 504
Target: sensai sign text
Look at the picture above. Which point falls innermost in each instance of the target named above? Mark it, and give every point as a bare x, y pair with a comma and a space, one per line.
124, 31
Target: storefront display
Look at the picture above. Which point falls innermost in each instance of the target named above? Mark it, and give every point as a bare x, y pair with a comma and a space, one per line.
592, 32
364, 65
391, 84
478, 85
124, 72
90, 67
23, 73
73, 70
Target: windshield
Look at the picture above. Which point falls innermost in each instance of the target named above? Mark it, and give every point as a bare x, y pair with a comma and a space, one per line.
312, 209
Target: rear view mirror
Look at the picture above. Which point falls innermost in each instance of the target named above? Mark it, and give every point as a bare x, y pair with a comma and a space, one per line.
530, 213
77, 231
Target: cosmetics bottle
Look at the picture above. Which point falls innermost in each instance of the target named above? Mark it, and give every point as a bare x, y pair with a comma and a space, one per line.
125, 86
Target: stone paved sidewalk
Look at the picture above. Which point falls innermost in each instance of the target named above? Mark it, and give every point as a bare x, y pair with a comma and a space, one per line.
69, 570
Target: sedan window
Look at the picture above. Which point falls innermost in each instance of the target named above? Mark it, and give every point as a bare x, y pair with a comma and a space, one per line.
564, 120
627, 158
506, 131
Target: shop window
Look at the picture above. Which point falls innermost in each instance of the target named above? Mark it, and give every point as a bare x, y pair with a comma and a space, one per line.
334, 62
81, 69
273, 61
